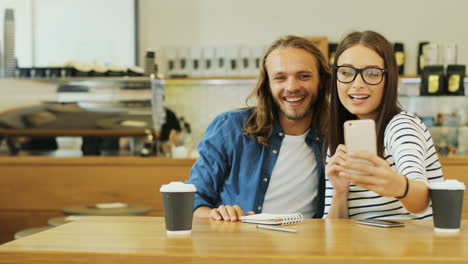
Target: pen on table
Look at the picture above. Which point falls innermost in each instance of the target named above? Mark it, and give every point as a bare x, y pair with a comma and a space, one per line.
277, 228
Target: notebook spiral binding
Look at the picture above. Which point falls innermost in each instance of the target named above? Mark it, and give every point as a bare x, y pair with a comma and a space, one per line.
292, 219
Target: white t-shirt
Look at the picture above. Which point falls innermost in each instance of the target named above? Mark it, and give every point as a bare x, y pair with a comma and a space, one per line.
409, 150
293, 182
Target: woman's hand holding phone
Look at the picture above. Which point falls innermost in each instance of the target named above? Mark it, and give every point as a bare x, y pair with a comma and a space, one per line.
378, 177
335, 167
364, 167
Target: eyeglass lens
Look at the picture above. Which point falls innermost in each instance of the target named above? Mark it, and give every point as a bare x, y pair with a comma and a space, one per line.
370, 75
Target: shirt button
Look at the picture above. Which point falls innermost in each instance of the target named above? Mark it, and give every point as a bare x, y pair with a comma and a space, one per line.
259, 208
265, 179
317, 138
275, 151
280, 134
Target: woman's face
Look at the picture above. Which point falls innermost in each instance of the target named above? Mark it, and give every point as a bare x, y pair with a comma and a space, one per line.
358, 97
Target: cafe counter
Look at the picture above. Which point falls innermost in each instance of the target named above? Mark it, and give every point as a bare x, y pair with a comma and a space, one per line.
34, 189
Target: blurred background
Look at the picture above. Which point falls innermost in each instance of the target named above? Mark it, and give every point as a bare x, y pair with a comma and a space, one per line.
107, 50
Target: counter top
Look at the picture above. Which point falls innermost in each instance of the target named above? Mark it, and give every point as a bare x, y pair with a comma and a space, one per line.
94, 160
454, 160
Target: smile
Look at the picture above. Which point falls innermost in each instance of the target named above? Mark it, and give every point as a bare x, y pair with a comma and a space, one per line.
359, 96
293, 99
357, 99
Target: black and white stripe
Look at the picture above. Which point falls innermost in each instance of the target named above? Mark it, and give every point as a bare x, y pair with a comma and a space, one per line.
409, 150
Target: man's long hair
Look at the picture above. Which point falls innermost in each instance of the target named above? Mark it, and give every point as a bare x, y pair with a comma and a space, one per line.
260, 123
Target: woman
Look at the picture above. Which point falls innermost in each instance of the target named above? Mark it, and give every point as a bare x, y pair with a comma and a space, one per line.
365, 84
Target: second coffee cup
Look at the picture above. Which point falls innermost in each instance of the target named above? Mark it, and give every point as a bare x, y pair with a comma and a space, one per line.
447, 204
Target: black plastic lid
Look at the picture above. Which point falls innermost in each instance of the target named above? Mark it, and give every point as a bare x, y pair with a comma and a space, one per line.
398, 46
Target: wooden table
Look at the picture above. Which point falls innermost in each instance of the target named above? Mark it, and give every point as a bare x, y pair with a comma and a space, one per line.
144, 240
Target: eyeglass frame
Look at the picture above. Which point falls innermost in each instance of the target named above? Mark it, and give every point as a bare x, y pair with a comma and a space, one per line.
359, 71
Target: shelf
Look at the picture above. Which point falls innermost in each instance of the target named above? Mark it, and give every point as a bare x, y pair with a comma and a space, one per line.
417, 79
413, 80
84, 78
75, 132
433, 96
99, 81
448, 127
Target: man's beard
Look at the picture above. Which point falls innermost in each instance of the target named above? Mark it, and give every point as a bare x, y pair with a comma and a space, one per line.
297, 116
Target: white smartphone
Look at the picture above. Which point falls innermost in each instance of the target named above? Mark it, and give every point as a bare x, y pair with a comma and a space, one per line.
360, 135
380, 223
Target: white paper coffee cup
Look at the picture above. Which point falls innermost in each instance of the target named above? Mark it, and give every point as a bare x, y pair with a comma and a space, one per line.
447, 204
178, 200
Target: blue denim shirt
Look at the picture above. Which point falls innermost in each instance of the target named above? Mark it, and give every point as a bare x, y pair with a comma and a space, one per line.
235, 169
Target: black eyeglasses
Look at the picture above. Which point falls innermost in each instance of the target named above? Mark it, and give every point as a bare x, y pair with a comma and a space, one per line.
370, 75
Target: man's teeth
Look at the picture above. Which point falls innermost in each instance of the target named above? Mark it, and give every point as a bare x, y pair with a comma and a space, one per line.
359, 96
295, 99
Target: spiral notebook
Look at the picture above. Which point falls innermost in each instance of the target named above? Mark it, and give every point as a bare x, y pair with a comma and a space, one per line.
273, 219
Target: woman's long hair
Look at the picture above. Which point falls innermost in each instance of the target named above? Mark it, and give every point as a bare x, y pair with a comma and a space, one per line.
260, 123
389, 106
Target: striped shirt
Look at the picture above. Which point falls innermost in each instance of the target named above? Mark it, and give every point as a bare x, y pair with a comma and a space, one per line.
409, 151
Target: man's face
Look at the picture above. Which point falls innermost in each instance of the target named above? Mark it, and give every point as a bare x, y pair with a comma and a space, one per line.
294, 80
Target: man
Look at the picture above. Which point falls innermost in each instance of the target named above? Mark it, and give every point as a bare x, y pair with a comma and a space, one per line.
268, 158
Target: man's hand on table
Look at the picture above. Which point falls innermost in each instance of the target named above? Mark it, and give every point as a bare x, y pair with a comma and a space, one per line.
223, 212
228, 213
